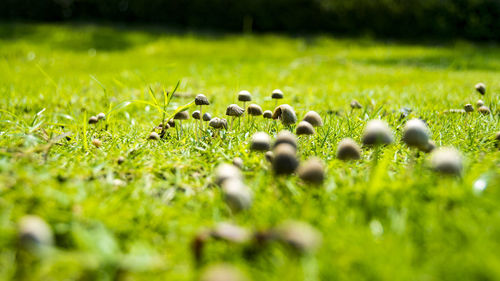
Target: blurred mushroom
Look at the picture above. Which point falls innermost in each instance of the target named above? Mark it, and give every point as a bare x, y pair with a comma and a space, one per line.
484, 110
285, 160
154, 136
481, 88
286, 114
348, 149
468, 108
276, 95
222, 273
97, 143
93, 120
268, 114
236, 194
34, 232
299, 235
304, 128
479, 103
377, 132
355, 105
230, 232
312, 171
101, 116
313, 118
447, 161
196, 115
416, 134
120, 160
260, 141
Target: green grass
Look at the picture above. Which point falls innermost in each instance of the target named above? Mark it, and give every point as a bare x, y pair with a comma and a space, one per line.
433, 227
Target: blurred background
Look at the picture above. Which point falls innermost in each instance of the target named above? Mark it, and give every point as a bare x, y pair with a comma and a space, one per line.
411, 19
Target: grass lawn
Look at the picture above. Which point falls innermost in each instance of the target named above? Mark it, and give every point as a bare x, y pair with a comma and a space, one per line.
397, 220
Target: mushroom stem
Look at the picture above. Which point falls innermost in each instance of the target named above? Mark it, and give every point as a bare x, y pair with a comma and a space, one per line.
232, 122
200, 121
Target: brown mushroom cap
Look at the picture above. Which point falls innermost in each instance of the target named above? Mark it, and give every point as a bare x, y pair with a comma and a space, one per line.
285, 159
260, 141
216, 123
304, 128
481, 88
244, 96
183, 115
313, 118
286, 114
268, 114
201, 99
348, 149
206, 117
93, 120
254, 110
484, 110
299, 235
236, 194
277, 94
234, 110
33, 231
447, 161
377, 132
355, 104
196, 115
416, 134
312, 171
469, 108
101, 116
154, 136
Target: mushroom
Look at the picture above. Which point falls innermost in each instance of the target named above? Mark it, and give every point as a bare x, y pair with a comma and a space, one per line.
201, 100
484, 110
355, 104
101, 116
286, 114
348, 149
312, 171
183, 115
236, 194
93, 120
447, 161
313, 118
285, 160
120, 160
276, 95
97, 143
230, 232
481, 88
416, 134
260, 142
235, 111
468, 108
244, 96
154, 136
218, 123
268, 114
207, 117
299, 235
196, 115
286, 137
34, 233
222, 272
304, 128
377, 132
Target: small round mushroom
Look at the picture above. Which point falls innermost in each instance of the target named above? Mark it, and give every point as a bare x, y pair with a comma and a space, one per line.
93, 120
230, 232
481, 88
300, 236
312, 171
479, 103
234, 111
207, 117
285, 160
183, 115
286, 114
484, 110
101, 116
120, 160
238, 162
285, 137
244, 96
348, 149
254, 110
416, 134
236, 194
304, 128
225, 171
222, 273
377, 132
154, 136
196, 115
201, 100
269, 156
313, 118
268, 114
97, 143
260, 141
468, 108
447, 161
277, 94
355, 104
34, 232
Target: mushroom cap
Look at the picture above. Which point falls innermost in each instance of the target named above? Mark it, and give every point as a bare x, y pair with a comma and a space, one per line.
481, 88
313, 118
97, 143
447, 161
226, 171
236, 194
355, 104
348, 149
201, 99
286, 114
254, 110
234, 110
154, 136
34, 231
468, 108
260, 141
216, 123
222, 272
312, 171
300, 236
430, 147
286, 137
277, 94
484, 110
101, 116
268, 114
244, 96
285, 160
93, 120
230, 232
171, 123
377, 132
304, 128
238, 162
224, 123
120, 160
416, 134
196, 115
269, 156
206, 117
183, 115
479, 103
